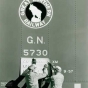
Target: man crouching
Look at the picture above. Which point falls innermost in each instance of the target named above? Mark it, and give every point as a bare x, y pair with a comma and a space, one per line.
58, 78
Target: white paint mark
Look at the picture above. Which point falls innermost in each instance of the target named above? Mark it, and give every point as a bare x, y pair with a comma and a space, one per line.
77, 85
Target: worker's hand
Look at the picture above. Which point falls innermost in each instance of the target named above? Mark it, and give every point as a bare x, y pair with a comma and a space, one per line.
46, 66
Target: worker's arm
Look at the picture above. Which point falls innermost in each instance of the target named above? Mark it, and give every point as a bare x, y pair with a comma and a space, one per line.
25, 72
44, 74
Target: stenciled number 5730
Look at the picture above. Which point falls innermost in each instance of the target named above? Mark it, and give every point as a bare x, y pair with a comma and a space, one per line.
35, 52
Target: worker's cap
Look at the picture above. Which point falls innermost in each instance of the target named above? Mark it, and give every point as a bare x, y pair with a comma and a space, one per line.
58, 68
32, 67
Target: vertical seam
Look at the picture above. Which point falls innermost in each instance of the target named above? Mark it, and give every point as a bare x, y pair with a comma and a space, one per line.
75, 40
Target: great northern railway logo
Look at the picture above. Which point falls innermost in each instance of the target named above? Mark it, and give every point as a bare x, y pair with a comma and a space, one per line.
35, 13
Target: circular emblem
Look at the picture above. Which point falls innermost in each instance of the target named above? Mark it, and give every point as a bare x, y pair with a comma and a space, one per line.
35, 13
